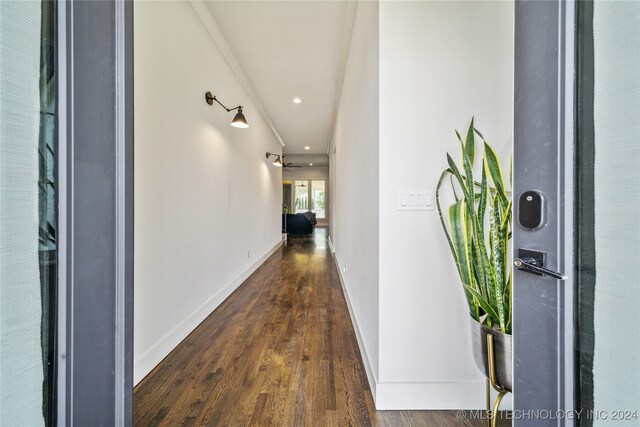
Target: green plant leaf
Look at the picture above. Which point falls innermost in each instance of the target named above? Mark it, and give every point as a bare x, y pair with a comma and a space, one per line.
453, 187
506, 216
461, 265
470, 143
467, 166
478, 230
497, 258
459, 137
471, 188
495, 172
456, 173
458, 228
477, 238
482, 204
444, 225
482, 302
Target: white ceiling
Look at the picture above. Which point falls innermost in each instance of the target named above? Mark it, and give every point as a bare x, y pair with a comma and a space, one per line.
318, 160
291, 49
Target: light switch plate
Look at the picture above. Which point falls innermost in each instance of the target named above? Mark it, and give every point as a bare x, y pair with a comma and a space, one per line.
415, 200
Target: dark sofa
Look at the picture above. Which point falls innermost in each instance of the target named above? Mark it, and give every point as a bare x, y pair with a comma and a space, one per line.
301, 223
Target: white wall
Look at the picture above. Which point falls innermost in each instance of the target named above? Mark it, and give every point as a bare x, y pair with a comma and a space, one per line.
354, 186
207, 203
440, 64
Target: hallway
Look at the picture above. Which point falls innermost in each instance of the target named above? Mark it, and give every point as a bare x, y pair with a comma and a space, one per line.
281, 351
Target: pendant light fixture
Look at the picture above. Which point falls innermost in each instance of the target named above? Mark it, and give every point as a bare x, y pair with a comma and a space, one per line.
239, 121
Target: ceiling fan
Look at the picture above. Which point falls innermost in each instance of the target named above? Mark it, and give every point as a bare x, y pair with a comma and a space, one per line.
279, 161
288, 165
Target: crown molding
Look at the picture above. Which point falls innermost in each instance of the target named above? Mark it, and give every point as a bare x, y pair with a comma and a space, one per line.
212, 27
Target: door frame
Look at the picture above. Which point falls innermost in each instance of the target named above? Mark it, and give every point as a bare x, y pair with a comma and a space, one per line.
544, 139
95, 172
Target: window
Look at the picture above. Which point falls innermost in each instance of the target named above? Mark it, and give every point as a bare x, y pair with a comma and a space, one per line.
302, 196
310, 196
317, 198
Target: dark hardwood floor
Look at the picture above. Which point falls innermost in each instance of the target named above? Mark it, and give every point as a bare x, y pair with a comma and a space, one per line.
280, 351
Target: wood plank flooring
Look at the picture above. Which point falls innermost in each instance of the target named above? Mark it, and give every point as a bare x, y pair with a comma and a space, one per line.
280, 351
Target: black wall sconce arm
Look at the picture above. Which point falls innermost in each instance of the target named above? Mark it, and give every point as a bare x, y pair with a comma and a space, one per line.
239, 120
209, 97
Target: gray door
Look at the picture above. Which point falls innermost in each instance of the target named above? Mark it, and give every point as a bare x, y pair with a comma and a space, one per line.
95, 342
576, 204
66, 213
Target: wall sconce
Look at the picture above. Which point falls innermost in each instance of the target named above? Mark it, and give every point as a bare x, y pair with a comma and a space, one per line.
238, 121
277, 161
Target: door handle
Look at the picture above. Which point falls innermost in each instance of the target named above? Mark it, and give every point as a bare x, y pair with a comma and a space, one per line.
530, 265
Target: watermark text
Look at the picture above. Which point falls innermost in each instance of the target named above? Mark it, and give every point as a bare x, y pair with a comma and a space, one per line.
543, 414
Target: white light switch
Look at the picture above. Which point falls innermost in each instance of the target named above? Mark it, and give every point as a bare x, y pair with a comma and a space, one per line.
415, 200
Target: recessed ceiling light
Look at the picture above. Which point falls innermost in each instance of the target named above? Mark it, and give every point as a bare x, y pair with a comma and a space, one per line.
306, 147
297, 100
310, 164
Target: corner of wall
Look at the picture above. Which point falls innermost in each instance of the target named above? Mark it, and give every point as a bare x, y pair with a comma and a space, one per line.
354, 177
366, 360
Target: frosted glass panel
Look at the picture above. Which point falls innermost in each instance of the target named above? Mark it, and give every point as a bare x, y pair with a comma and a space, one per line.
616, 110
27, 213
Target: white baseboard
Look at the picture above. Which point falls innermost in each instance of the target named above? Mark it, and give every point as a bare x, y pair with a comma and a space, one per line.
144, 363
436, 395
430, 395
373, 381
420, 395
331, 248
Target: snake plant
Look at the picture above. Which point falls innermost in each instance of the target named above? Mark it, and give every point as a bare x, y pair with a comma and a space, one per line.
478, 229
